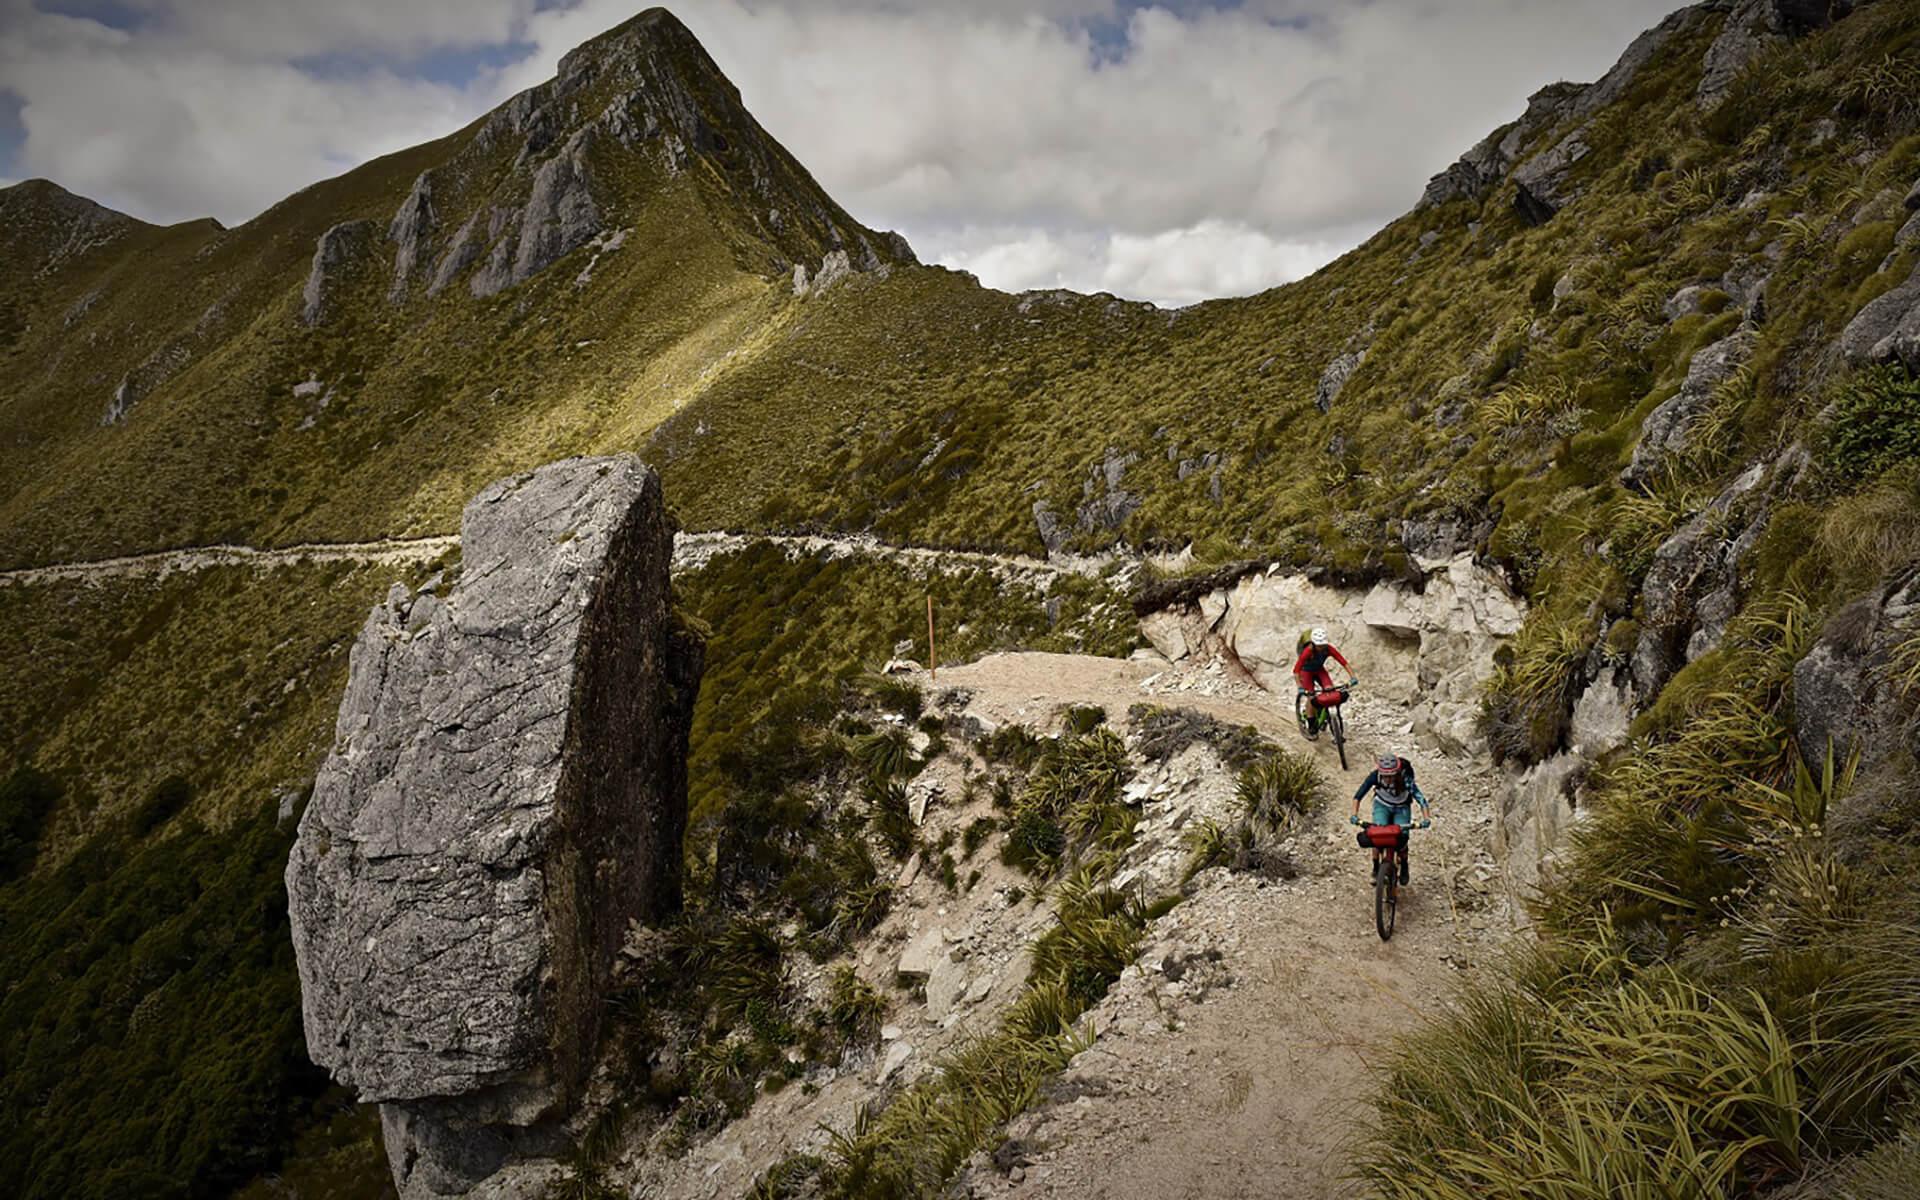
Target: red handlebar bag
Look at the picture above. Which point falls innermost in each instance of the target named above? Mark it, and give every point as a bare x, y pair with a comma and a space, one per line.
1330, 699
1383, 837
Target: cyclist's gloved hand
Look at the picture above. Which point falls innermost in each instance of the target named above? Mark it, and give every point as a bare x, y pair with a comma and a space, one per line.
1354, 819
1427, 824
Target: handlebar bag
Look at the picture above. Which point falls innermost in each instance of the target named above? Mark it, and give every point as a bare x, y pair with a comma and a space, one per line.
1383, 837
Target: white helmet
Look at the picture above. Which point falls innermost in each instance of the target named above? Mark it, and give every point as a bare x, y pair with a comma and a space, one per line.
1318, 637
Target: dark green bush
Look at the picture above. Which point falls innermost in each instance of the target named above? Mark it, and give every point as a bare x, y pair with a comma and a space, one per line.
1874, 424
27, 798
150, 1037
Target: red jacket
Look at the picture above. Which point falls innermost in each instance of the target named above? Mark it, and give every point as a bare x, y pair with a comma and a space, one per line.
1313, 659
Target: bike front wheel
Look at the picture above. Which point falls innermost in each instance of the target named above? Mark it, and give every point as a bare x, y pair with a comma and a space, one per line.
1386, 896
1338, 726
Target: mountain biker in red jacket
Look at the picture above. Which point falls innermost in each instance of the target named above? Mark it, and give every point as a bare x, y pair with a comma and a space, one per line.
1310, 669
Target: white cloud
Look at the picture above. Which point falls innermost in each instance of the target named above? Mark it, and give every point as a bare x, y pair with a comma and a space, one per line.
1222, 149
1173, 267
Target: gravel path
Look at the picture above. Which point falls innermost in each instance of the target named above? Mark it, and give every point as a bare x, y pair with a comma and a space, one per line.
162, 563
1246, 1077
691, 551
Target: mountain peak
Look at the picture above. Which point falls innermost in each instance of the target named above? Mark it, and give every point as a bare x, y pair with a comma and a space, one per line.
552, 169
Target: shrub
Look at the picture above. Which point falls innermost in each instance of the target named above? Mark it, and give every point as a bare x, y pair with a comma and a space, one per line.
1162, 733
1279, 789
889, 816
1874, 424
886, 752
854, 1009
27, 798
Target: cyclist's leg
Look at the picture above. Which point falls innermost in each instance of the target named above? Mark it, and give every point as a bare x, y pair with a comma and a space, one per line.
1319, 681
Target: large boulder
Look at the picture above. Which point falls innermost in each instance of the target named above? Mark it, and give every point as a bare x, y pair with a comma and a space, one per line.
1886, 329
506, 792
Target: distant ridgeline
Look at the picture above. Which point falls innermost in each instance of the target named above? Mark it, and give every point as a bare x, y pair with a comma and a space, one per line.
1648, 352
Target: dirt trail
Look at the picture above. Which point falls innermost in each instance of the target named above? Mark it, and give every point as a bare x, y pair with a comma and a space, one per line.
691, 551
199, 558
1257, 1091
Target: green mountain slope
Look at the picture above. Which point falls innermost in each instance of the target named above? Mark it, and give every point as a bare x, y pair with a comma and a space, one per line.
359, 358
1570, 359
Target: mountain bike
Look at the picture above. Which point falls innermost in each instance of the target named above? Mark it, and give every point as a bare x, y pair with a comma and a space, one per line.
1329, 700
1386, 871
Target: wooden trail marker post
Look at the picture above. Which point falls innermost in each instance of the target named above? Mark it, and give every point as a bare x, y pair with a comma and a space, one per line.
933, 659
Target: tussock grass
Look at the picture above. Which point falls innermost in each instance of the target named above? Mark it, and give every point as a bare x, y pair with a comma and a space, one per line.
913, 1145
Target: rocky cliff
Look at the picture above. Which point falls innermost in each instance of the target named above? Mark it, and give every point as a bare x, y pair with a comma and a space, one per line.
506, 792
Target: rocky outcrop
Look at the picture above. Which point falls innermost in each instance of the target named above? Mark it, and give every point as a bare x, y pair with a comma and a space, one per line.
1487, 164
559, 217
1104, 504
1430, 646
153, 371
506, 792
1751, 28
1694, 585
1845, 694
335, 254
1543, 184
1668, 430
1334, 379
410, 231
1887, 329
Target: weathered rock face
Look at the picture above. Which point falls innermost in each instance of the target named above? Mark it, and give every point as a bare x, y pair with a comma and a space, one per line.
1334, 378
1842, 696
1888, 329
1484, 166
336, 252
507, 791
1669, 429
1431, 646
1751, 28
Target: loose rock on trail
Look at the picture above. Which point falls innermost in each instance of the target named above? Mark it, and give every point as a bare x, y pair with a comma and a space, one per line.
1246, 1075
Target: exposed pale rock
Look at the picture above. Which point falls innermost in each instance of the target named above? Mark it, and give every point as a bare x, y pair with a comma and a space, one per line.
835, 267
334, 254
946, 984
1601, 718
1544, 182
895, 1058
1166, 631
1535, 816
1887, 329
506, 793
921, 953
1698, 560
1748, 31
1334, 379
410, 230
1841, 695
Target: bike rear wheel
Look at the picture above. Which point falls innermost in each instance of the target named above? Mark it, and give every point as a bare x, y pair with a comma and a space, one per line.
1300, 714
1386, 896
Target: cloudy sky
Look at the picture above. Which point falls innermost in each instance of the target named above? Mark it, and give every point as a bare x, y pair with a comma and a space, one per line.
1169, 151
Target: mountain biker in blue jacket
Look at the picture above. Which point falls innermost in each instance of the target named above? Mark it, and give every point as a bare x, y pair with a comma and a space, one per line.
1394, 795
